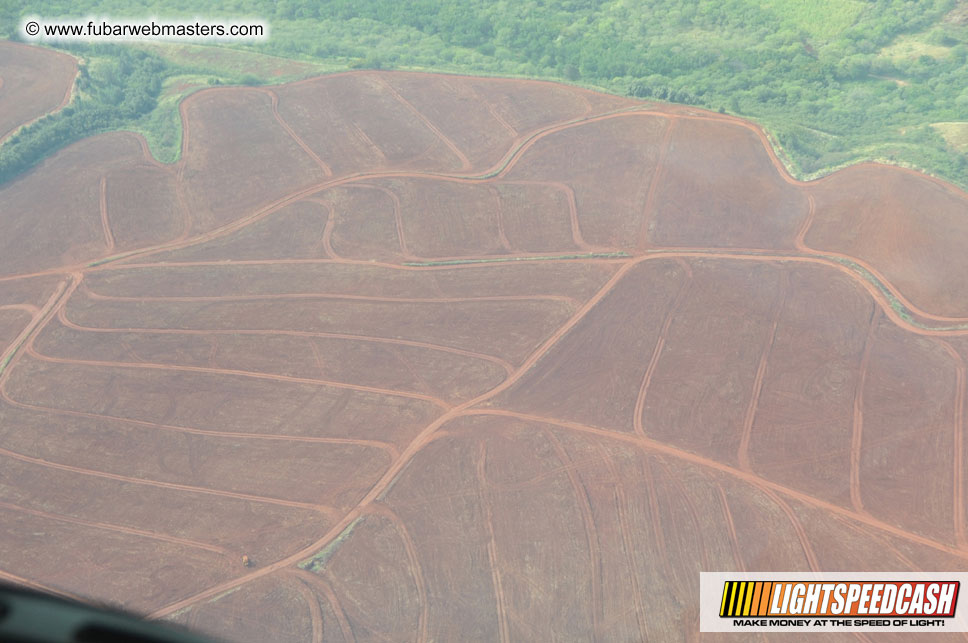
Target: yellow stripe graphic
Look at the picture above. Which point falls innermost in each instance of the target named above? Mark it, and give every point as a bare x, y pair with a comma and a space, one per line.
747, 598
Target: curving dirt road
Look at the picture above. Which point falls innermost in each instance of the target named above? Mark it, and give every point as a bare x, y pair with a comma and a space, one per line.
317, 582
315, 612
413, 562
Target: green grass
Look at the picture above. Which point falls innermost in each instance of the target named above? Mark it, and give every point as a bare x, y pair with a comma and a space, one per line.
316, 562
956, 134
162, 127
913, 47
822, 19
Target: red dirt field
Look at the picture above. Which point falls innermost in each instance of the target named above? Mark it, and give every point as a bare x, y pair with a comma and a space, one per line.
436, 372
137, 206
914, 231
457, 358
67, 225
624, 151
33, 82
509, 327
20, 302
574, 279
241, 157
12, 322
468, 220
803, 424
754, 207
388, 133
600, 359
211, 461
193, 401
693, 397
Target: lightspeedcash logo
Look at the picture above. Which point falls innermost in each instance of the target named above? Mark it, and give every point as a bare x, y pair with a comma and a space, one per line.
831, 602
838, 600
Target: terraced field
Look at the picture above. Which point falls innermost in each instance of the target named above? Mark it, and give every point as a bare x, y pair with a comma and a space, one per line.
453, 358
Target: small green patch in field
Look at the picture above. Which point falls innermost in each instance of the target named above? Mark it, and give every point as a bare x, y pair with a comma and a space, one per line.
913, 47
316, 562
822, 19
955, 134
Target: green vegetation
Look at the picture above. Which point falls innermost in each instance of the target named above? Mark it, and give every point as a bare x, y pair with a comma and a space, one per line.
823, 19
913, 47
834, 81
956, 134
318, 560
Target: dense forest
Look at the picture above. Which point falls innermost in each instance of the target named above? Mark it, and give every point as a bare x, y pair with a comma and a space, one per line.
833, 81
